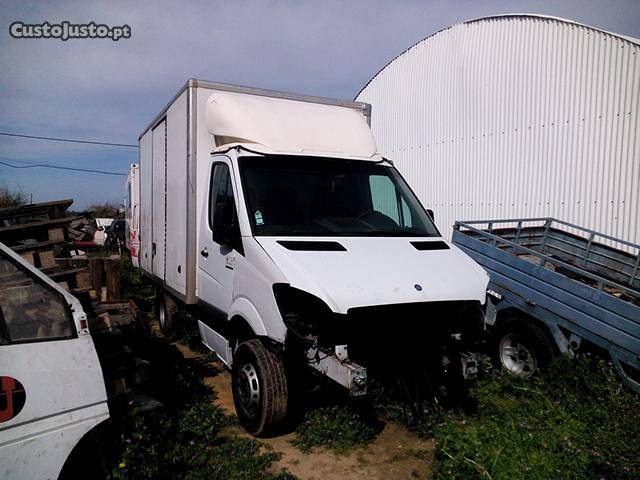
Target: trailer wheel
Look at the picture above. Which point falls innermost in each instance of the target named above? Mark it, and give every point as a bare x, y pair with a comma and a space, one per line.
522, 348
165, 310
259, 384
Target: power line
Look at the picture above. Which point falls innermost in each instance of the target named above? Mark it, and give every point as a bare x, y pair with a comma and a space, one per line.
14, 160
70, 140
58, 167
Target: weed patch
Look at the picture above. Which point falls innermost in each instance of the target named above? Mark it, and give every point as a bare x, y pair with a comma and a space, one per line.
133, 283
575, 421
189, 445
186, 440
424, 425
340, 428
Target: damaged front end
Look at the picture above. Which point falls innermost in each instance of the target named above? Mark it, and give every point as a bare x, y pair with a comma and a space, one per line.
305, 316
420, 351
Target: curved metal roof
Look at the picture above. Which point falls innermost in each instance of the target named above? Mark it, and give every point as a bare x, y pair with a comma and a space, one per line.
502, 16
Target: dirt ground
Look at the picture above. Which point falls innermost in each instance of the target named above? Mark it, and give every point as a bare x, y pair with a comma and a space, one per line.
395, 454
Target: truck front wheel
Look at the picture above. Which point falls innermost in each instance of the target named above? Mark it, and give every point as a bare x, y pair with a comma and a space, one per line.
260, 392
522, 348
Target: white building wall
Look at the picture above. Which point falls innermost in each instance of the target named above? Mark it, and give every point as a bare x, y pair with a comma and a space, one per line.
516, 116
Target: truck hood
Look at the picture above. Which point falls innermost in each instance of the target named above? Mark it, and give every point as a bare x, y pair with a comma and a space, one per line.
377, 271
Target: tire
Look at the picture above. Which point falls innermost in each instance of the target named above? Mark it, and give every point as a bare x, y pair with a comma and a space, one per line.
165, 310
260, 391
522, 348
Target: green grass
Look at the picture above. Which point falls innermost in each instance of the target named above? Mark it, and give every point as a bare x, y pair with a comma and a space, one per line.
187, 439
340, 428
132, 282
191, 445
398, 412
575, 421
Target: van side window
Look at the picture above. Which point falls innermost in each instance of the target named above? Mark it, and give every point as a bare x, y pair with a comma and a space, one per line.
30, 310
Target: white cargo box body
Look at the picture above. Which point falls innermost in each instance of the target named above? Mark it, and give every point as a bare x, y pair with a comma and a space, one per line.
205, 116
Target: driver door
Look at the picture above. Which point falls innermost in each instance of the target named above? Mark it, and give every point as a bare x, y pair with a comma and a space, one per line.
216, 260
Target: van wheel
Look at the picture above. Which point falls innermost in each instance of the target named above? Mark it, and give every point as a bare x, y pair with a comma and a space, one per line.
522, 348
165, 310
259, 386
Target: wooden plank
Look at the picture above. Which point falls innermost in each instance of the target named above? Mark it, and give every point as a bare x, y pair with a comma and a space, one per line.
35, 245
56, 208
28, 256
96, 269
80, 290
63, 272
56, 234
112, 268
83, 280
47, 259
38, 225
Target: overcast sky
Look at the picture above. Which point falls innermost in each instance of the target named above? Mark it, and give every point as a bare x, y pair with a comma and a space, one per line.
108, 91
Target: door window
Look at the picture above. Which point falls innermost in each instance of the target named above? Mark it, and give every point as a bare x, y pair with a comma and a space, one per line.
221, 192
30, 310
223, 219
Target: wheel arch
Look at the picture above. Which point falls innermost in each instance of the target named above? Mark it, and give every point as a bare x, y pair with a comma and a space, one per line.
240, 329
96, 445
554, 335
552, 332
244, 314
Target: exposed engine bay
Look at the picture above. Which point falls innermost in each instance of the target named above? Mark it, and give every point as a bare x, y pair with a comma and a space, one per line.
421, 352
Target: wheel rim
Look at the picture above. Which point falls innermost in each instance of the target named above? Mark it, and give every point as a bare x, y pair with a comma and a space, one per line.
162, 314
249, 389
517, 357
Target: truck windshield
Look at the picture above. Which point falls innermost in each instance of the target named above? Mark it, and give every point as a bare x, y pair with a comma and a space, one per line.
290, 196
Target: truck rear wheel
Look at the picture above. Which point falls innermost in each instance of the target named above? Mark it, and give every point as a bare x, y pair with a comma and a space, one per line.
165, 309
522, 348
259, 383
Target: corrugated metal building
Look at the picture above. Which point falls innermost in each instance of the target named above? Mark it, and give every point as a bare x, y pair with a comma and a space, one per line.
516, 116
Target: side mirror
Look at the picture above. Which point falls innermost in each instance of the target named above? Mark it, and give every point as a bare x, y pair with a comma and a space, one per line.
223, 228
431, 216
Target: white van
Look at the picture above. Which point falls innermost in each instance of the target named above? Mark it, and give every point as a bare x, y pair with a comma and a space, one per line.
273, 219
52, 392
101, 226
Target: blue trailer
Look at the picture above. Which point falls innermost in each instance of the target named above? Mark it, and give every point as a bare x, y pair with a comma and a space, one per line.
557, 288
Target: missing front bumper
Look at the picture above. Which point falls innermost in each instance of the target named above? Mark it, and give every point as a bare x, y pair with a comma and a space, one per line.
340, 369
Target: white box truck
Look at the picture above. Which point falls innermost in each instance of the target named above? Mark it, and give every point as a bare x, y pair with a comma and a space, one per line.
272, 218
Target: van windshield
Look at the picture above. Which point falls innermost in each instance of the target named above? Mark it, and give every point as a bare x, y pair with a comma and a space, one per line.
314, 196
